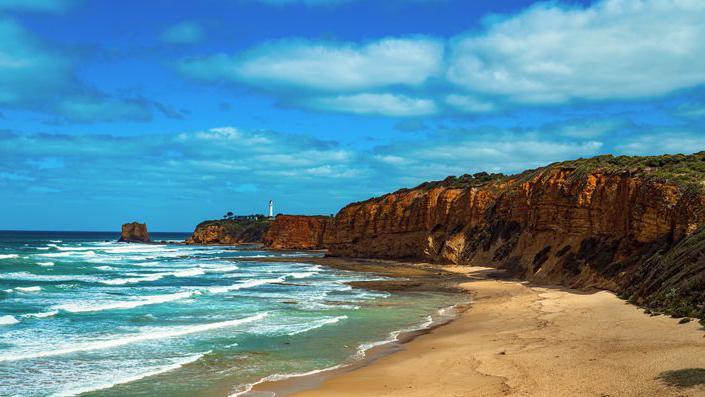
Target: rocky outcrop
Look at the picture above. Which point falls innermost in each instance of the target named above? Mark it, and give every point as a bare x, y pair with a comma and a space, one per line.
134, 233
630, 225
297, 232
230, 232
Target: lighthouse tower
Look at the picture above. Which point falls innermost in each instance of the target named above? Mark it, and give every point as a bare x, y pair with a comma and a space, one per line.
271, 209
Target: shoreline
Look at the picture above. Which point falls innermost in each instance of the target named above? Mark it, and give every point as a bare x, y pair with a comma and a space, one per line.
519, 339
403, 276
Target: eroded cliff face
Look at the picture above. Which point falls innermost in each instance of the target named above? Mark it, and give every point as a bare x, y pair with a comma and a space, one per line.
551, 215
297, 232
229, 232
559, 224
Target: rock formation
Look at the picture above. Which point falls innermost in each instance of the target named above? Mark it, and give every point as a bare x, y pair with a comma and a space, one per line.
297, 232
230, 231
134, 233
627, 224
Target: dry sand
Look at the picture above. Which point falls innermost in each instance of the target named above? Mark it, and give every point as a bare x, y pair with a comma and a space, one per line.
521, 340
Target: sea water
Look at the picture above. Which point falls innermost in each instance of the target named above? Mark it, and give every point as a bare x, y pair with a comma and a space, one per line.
81, 314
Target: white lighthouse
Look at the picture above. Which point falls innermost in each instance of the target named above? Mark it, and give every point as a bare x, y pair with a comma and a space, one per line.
271, 209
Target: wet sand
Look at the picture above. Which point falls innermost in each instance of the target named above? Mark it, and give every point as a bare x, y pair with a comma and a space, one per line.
524, 340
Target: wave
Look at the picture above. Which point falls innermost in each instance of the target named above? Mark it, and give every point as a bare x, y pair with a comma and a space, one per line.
42, 314
9, 256
28, 289
301, 275
116, 341
133, 280
130, 378
23, 289
120, 305
57, 254
245, 284
56, 241
46, 277
45, 264
8, 320
318, 324
279, 377
140, 278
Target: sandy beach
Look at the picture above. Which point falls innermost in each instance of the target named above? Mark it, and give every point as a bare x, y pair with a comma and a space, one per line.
524, 340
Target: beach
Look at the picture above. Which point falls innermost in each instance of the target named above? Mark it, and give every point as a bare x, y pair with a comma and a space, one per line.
518, 339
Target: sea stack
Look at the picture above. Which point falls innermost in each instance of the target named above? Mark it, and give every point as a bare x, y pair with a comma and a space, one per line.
134, 233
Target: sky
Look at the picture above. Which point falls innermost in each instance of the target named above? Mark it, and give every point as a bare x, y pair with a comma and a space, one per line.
171, 113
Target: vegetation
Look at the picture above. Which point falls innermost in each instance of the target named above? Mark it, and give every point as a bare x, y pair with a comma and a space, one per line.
674, 168
688, 377
236, 225
463, 181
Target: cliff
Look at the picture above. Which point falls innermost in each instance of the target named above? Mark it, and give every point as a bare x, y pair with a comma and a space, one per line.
134, 233
632, 225
297, 232
229, 231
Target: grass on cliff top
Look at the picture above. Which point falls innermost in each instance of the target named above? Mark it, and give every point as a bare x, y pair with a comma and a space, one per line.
673, 168
234, 226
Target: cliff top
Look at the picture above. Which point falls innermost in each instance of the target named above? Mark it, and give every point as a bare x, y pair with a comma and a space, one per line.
680, 169
673, 168
234, 225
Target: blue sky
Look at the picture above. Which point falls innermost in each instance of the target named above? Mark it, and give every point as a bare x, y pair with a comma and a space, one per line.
174, 112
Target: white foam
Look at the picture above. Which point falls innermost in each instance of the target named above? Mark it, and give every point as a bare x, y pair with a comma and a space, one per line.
244, 284
118, 379
8, 320
189, 273
42, 314
45, 264
42, 248
116, 341
279, 377
134, 280
57, 254
56, 241
393, 337
45, 277
9, 256
129, 304
140, 278
318, 324
28, 289
301, 275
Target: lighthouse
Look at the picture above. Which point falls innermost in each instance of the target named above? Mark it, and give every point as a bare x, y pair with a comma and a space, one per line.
271, 209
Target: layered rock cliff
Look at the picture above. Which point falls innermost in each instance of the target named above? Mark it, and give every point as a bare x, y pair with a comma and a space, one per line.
627, 224
230, 231
297, 232
134, 233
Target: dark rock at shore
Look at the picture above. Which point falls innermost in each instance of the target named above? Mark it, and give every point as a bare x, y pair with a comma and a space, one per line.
134, 233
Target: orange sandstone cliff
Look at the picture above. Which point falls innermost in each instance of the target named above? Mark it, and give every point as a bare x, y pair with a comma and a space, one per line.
627, 224
297, 232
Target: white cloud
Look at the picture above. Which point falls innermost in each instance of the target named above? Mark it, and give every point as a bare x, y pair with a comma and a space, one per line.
376, 104
455, 154
653, 143
326, 66
615, 49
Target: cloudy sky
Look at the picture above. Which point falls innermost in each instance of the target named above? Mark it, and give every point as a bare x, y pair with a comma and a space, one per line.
174, 112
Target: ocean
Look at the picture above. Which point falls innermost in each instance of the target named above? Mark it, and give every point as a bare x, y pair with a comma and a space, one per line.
81, 314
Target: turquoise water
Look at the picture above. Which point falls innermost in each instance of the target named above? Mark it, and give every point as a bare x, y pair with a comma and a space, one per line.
80, 315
